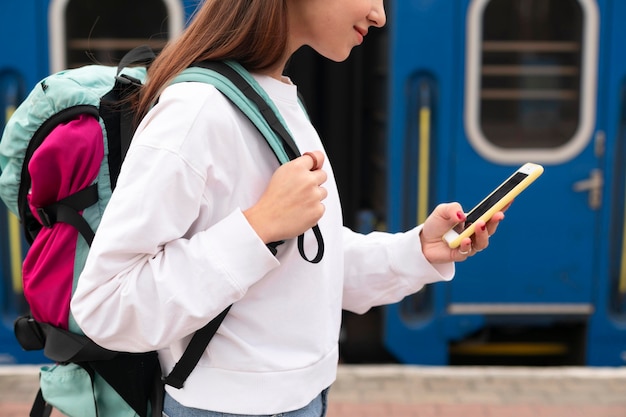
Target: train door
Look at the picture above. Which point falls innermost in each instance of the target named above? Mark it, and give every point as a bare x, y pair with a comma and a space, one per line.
71, 33
529, 91
606, 339
531, 95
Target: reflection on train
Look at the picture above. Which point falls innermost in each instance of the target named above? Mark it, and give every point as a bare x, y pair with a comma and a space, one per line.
442, 104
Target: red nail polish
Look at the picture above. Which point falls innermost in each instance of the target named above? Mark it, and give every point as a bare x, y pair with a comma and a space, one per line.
460, 215
483, 228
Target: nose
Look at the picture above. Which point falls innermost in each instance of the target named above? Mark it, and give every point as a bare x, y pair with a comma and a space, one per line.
377, 15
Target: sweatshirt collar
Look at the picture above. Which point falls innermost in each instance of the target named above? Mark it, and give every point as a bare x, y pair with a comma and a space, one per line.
284, 90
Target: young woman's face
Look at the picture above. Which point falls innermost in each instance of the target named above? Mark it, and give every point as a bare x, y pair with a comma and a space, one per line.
332, 27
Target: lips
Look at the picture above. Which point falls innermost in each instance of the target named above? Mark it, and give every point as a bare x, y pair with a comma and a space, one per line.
362, 33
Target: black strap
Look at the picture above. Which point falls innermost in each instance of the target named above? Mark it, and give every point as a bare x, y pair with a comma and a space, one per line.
40, 407
194, 351
141, 55
58, 344
63, 346
68, 210
320, 246
126, 130
157, 395
288, 143
125, 86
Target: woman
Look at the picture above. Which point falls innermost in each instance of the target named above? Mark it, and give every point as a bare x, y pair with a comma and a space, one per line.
201, 194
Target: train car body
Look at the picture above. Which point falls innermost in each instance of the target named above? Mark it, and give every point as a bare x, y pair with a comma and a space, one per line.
441, 105
477, 88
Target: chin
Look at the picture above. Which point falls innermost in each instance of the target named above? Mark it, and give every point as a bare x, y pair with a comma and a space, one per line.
335, 54
338, 57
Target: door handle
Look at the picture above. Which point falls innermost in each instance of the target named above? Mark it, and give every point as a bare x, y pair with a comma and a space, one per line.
593, 185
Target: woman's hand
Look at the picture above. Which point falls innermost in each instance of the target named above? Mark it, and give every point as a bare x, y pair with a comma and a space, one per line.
441, 220
292, 202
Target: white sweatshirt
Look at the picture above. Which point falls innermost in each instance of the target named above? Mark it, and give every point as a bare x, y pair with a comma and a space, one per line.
174, 249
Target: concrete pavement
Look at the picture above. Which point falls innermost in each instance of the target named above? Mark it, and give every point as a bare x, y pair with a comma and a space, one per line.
415, 391
405, 391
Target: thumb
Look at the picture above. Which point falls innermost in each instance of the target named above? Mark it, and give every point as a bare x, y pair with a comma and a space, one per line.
442, 219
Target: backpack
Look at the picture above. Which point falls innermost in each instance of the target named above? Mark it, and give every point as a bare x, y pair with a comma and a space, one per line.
58, 170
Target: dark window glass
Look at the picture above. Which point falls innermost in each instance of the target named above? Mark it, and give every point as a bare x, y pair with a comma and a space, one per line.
102, 31
531, 72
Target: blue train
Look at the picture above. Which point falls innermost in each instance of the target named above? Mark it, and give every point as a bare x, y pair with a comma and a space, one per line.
442, 104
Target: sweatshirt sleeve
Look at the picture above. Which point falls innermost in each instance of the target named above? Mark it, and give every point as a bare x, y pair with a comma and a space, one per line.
164, 261
383, 268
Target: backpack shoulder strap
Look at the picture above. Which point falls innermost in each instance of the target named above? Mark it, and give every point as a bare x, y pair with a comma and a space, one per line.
192, 354
243, 91
237, 85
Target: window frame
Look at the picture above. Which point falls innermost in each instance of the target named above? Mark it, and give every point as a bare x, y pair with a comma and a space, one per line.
56, 22
587, 101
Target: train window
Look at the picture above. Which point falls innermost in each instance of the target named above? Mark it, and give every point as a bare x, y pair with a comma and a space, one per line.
94, 31
531, 78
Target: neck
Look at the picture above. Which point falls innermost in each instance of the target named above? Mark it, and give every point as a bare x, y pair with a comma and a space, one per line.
277, 72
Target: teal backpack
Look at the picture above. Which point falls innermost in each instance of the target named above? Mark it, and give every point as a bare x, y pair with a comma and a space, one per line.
86, 379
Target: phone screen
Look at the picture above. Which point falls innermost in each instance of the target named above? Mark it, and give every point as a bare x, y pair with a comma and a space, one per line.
493, 198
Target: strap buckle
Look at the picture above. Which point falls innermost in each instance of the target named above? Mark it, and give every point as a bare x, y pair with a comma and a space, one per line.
46, 220
125, 79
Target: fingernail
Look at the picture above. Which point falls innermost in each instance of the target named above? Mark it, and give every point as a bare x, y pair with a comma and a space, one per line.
460, 215
483, 227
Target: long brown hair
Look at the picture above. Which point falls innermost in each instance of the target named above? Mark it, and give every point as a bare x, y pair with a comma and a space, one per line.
251, 32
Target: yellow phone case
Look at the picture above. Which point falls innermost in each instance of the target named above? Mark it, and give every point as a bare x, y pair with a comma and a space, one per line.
510, 189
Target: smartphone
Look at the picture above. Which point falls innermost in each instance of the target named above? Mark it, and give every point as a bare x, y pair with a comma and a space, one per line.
494, 202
